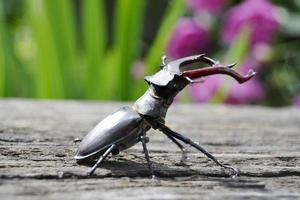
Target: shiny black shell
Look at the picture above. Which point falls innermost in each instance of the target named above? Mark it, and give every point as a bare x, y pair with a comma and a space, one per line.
121, 128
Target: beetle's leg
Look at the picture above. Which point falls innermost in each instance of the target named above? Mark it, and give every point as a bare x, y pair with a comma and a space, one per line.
77, 140
181, 147
142, 138
186, 140
102, 157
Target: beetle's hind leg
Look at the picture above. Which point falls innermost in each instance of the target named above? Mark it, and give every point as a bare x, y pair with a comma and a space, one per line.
102, 157
180, 137
181, 147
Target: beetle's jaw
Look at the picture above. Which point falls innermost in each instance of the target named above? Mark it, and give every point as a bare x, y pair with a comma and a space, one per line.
197, 66
218, 69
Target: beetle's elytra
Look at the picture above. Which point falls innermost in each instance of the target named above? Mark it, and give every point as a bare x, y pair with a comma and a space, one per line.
129, 125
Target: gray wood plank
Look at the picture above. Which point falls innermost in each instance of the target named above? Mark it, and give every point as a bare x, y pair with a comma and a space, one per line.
36, 153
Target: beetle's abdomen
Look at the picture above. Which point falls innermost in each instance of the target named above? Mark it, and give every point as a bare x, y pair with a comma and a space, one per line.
114, 129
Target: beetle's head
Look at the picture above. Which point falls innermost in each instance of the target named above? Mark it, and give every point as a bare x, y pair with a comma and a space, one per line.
175, 75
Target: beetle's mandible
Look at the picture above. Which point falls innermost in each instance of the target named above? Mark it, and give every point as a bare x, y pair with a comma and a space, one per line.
129, 125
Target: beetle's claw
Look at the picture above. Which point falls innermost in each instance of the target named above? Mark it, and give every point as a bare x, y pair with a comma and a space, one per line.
155, 179
184, 156
251, 73
235, 171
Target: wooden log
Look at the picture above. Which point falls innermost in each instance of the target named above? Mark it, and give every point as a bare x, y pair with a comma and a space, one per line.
37, 149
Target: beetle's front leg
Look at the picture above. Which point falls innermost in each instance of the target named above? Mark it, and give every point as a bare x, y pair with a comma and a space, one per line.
186, 140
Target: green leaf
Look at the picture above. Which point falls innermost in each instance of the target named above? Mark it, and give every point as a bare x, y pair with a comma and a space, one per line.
95, 39
61, 20
14, 79
128, 27
48, 78
2, 47
237, 52
239, 49
175, 10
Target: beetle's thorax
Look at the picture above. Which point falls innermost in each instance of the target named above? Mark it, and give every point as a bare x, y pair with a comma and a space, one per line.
163, 87
152, 106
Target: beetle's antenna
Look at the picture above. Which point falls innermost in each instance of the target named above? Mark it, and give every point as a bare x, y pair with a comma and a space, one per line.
164, 59
102, 157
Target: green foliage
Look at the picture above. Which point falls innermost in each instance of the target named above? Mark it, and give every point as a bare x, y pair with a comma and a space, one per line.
52, 50
61, 22
2, 53
152, 60
95, 37
86, 49
128, 26
237, 52
47, 72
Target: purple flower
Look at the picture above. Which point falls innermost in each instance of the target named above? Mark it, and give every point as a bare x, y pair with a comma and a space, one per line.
248, 92
297, 102
138, 70
257, 15
211, 6
203, 92
188, 38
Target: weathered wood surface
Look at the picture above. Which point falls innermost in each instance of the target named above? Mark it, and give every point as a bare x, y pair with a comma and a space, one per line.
36, 154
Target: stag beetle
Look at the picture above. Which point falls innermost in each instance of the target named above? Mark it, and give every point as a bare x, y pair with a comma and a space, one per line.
129, 125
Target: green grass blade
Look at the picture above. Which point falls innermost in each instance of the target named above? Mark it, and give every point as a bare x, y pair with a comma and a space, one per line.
48, 78
237, 52
173, 13
175, 10
239, 49
2, 47
128, 27
61, 19
94, 33
14, 78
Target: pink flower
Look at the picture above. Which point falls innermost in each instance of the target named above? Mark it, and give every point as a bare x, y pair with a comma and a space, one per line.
248, 92
297, 102
138, 70
257, 15
188, 38
211, 6
203, 92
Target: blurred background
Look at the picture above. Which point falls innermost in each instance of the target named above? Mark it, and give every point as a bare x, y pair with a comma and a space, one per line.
102, 49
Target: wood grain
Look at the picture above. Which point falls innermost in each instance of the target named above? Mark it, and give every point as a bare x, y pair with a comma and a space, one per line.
37, 149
